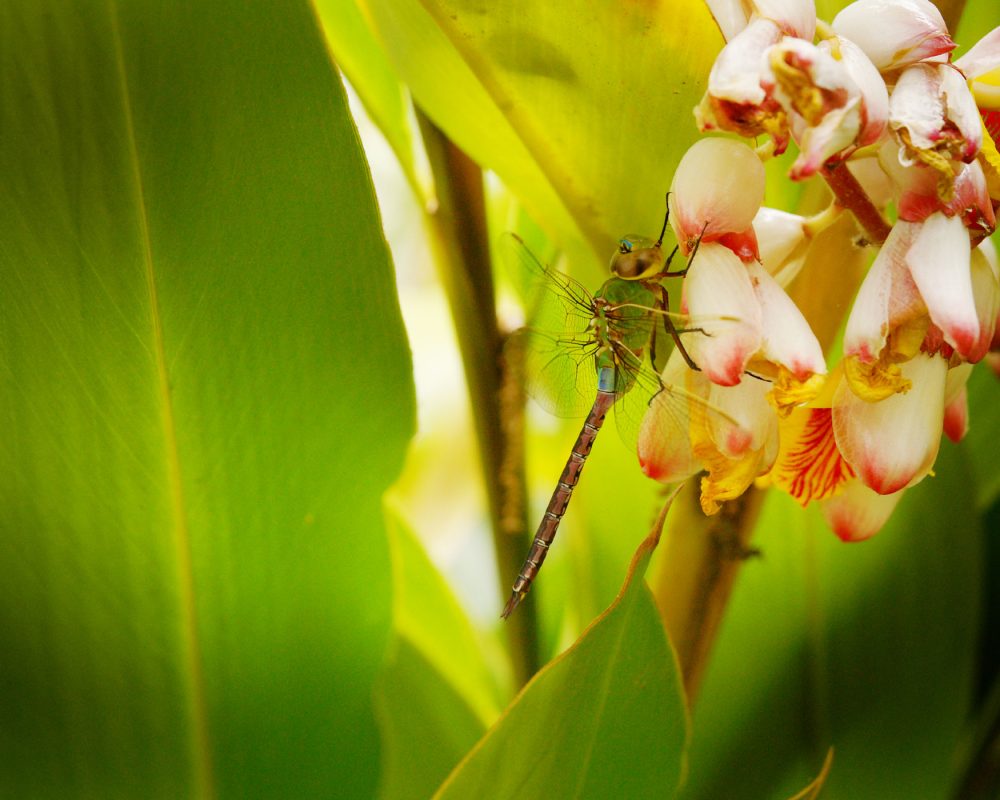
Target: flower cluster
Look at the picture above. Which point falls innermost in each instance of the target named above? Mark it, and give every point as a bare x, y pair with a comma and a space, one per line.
876, 107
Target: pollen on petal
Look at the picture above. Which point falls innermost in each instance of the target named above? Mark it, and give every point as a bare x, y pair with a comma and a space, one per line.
892, 443
727, 478
789, 391
875, 381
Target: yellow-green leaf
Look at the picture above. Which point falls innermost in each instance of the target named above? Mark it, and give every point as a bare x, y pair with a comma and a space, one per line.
583, 112
198, 311
605, 719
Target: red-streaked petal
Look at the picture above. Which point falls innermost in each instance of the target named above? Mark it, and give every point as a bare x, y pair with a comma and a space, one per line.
892, 444
787, 338
939, 264
894, 33
718, 286
809, 465
858, 513
717, 188
982, 57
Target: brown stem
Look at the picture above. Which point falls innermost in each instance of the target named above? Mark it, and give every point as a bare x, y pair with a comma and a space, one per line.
850, 195
698, 566
461, 243
702, 555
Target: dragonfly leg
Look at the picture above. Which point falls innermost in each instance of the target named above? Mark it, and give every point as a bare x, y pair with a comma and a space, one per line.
680, 273
671, 329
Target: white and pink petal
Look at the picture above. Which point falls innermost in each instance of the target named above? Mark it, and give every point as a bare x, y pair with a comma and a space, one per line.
786, 338
894, 33
892, 444
887, 296
720, 297
982, 57
938, 259
664, 448
956, 402
756, 424
858, 513
795, 17
986, 291
717, 189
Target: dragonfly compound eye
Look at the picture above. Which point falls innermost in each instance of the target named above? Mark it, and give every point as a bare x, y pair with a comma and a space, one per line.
644, 263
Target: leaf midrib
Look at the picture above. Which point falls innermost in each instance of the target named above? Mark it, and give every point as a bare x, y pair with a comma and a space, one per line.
180, 532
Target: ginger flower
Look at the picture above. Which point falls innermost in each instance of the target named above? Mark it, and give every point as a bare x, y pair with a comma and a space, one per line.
756, 354
877, 108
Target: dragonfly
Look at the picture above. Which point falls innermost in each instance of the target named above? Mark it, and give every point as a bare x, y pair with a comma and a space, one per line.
596, 351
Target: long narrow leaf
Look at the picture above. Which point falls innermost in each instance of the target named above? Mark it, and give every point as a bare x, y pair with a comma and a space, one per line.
205, 389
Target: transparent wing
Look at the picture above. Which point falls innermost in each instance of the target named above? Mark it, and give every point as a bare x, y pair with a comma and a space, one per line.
553, 301
678, 409
557, 345
560, 372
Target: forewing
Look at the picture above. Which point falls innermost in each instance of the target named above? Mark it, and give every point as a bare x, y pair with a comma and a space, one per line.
557, 345
553, 301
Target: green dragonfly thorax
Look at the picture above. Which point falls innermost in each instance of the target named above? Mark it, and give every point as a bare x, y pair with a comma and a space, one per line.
623, 325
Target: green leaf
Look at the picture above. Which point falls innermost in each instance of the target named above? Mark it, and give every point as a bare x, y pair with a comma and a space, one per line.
866, 647
205, 389
426, 612
607, 718
984, 433
426, 725
362, 59
583, 113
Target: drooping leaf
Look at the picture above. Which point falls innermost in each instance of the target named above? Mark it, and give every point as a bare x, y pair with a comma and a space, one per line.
865, 647
426, 725
607, 718
428, 615
206, 388
583, 113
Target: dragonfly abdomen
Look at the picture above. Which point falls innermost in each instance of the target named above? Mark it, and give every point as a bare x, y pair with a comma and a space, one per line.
559, 501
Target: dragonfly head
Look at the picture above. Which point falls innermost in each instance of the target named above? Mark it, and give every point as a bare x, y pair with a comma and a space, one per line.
637, 258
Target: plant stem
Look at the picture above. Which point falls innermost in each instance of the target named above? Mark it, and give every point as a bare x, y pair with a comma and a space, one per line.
701, 556
461, 241
698, 566
850, 195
